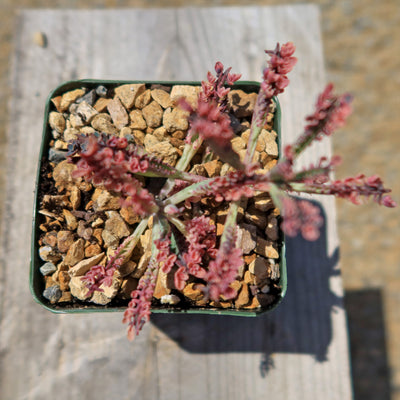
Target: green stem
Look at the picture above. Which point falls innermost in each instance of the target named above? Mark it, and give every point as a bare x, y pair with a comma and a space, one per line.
299, 177
208, 155
304, 144
230, 222
309, 136
188, 153
174, 174
276, 195
178, 223
304, 188
252, 143
260, 114
125, 249
197, 189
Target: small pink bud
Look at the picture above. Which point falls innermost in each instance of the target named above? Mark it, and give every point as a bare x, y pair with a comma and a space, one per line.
387, 201
219, 67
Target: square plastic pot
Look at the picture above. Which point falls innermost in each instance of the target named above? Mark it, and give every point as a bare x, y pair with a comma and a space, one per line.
37, 283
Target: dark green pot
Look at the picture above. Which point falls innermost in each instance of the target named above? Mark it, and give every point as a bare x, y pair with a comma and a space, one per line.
37, 284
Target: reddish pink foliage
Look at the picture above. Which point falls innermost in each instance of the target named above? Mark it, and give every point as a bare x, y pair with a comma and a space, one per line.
280, 64
354, 188
214, 89
318, 173
96, 276
112, 163
230, 187
202, 239
99, 275
212, 124
223, 270
301, 216
138, 311
274, 80
165, 258
180, 277
330, 113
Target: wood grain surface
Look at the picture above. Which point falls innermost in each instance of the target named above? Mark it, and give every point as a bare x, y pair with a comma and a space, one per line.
299, 351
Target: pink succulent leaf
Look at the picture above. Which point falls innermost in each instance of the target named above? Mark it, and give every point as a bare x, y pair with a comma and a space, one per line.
387, 201
219, 67
232, 78
214, 127
109, 161
180, 277
279, 65
97, 276
315, 173
112, 162
201, 241
230, 187
165, 259
100, 275
274, 82
94, 278
214, 89
355, 189
138, 311
223, 270
330, 113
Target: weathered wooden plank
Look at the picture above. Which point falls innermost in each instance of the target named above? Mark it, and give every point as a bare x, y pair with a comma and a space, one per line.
297, 352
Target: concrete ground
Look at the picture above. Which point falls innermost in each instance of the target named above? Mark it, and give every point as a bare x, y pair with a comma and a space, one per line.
361, 43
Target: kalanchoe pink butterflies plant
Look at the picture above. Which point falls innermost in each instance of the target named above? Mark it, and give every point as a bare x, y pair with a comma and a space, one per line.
115, 163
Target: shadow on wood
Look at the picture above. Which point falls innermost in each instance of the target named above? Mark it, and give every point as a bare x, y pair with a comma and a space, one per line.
370, 370
301, 324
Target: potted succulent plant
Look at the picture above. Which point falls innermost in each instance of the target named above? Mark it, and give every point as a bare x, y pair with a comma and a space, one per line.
171, 199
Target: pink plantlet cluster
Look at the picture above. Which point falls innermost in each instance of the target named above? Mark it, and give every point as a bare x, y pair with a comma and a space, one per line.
215, 88
97, 276
165, 259
201, 240
224, 269
330, 113
214, 127
280, 64
301, 216
188, 247
110, 162
317, 173
230, 187
233, 186
212, 124
274, 82
209, 119
331, 110
100, 275
355, 189
138, 311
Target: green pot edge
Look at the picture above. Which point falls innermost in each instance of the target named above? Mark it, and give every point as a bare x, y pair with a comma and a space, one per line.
36, 278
